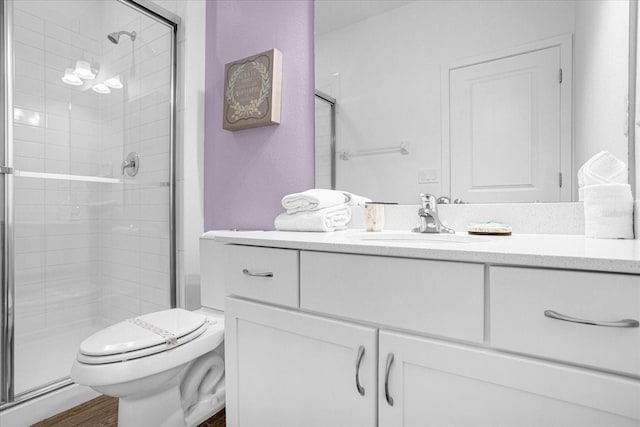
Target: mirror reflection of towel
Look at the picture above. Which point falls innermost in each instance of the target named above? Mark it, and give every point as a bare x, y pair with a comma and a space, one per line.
328, 219
311, 200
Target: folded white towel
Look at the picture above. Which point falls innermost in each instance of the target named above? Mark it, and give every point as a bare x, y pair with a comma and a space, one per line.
608, 211
603, 168
354, 200
313, 199
327, 219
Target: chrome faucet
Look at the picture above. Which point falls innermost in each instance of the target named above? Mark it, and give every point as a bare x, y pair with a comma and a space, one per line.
429, 219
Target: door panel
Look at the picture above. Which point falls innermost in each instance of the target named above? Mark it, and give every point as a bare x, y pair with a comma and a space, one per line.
505, 129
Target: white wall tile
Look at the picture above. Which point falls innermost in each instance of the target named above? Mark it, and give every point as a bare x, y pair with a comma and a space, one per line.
29, 86
27, 20
33, 149
29, 54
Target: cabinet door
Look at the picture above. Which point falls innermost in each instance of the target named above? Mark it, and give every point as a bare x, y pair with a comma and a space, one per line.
432, 383
287, 368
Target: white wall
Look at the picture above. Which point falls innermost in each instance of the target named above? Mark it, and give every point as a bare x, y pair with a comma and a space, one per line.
418, 39
601, 51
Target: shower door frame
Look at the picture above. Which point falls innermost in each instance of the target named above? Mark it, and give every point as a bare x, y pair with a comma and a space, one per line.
331, 101
8, 398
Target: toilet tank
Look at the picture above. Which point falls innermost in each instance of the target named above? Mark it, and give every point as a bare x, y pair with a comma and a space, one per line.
211, 274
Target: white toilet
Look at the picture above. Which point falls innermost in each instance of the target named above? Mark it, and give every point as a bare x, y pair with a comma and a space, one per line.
166, 368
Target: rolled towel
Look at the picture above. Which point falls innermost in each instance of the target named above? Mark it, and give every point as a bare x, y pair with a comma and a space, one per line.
603, 168
328, 219
311, 200
354, 200
608, 211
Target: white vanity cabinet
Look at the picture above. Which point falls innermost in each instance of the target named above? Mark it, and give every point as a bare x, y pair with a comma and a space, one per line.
320, 338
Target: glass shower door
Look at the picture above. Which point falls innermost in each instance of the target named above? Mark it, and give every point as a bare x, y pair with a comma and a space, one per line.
92, 182
325, 137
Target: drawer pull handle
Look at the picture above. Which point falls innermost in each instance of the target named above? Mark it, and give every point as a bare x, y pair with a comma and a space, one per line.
249, 273
624, 323
387, 396
358, 361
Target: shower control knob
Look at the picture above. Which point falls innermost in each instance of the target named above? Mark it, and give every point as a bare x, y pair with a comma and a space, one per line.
131, 164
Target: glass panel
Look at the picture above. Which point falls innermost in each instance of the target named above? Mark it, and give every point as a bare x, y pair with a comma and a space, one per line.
92, 242
323, 144
3, 249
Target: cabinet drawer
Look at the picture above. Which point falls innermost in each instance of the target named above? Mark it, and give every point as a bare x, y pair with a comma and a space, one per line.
433, 297
520, 297
264, 274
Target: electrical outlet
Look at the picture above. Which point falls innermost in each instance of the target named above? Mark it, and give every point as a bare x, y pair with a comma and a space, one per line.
427, 176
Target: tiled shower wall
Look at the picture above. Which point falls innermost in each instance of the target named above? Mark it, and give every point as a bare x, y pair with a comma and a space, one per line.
86, 252
134, 231
56, 131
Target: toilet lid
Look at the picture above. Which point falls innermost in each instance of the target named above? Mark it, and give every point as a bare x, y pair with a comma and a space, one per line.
163, 330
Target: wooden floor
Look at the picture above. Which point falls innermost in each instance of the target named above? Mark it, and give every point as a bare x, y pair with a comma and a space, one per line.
103, 412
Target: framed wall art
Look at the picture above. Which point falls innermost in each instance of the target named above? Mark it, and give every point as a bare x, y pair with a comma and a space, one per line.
252, 91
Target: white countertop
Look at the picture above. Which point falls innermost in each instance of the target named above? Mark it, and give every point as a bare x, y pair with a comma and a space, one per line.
536, 250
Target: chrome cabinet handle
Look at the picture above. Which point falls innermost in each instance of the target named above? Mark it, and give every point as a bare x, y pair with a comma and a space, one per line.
358, 361
624, 323
387, 396
249, 273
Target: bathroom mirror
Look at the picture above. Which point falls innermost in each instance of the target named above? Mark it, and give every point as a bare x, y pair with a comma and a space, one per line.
485, 101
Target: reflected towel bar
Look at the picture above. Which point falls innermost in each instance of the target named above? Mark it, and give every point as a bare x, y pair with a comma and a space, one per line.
402, 149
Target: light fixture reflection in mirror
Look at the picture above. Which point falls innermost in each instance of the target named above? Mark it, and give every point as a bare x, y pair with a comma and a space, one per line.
84, 71
113, 82
70, 78
101, 88
394, 73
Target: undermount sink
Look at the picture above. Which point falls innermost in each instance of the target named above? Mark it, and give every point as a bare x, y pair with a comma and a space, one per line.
418, 237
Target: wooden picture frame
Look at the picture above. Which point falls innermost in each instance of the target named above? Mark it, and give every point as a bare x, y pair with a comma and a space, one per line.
252, 94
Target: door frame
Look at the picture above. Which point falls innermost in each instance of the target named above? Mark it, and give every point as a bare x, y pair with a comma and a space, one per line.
565, 43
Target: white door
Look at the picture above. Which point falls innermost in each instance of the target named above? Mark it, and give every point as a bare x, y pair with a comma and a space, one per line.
293, 369
506, 129
431, 383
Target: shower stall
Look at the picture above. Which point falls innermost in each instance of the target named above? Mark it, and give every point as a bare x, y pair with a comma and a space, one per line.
86, 179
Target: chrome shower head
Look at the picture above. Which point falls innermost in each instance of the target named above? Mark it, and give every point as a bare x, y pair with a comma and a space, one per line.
115, 36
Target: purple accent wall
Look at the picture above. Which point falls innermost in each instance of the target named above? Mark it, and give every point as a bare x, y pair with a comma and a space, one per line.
247, 172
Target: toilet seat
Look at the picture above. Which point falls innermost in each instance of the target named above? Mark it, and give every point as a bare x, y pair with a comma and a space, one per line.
143, 336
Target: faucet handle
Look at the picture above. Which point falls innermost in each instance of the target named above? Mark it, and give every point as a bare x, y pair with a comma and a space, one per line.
428, 200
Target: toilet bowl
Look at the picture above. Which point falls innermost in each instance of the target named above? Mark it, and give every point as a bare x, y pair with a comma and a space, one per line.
166, 368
